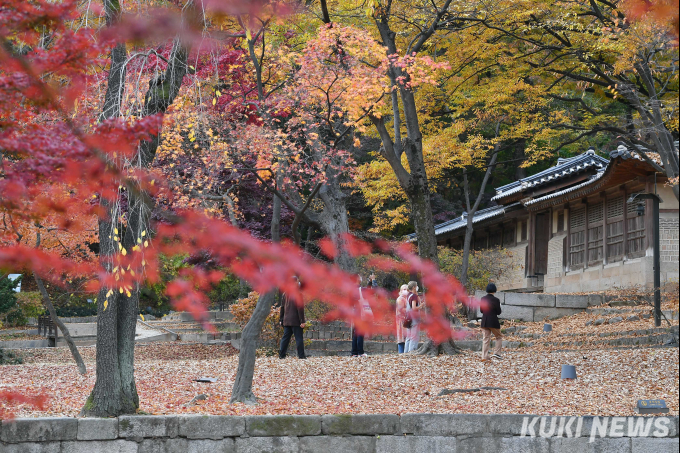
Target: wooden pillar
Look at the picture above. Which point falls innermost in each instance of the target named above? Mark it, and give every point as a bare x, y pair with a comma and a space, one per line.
625, 223
604, 228
586, 235
649, 218
567, 228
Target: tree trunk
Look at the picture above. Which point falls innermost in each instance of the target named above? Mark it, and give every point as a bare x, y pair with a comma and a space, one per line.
64, 330
276, 219
519, 154
115, 390
242, 392
470, 216
108, 398
423, 222
431, 349
335, 222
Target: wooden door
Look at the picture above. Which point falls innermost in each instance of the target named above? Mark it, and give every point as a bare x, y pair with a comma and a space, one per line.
541, 238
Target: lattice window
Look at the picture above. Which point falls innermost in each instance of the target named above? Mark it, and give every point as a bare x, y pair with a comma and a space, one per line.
595, 231
577, 237
615, 249
615, 207
578, 218
636, 235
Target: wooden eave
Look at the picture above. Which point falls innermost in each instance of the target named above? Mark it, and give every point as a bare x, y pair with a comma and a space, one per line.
619, 171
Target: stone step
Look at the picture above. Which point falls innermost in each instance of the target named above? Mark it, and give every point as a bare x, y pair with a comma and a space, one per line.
188, 317
636, 341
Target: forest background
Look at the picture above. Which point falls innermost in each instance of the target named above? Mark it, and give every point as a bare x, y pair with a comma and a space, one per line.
285, 98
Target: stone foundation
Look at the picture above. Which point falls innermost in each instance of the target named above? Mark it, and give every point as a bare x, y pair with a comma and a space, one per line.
539, 306
387, 433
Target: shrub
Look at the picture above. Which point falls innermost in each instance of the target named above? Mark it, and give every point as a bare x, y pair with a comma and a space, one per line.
484, 265
10, 312
9, 358
30, 304
243, 310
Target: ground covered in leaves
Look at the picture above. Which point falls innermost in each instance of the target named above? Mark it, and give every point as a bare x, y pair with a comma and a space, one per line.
609, 382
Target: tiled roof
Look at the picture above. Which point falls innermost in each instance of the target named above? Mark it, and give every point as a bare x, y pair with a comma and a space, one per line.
461, 222
564, 168
589, 181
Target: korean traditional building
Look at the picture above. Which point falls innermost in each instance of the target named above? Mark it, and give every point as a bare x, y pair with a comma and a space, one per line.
570, 228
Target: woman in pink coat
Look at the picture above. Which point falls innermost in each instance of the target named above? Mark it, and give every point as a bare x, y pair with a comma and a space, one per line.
400, 317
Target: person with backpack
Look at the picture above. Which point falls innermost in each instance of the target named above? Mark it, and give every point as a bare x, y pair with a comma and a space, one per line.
411, 321
490, 307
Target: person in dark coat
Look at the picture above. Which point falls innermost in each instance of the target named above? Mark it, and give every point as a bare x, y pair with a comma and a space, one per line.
292, 318
490, 307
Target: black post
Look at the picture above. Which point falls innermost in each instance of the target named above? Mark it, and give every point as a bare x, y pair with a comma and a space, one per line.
657, 264
657, 258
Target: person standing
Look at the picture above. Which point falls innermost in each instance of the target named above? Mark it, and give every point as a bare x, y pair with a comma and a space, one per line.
292, 318
490, 307
412, 310
357, 336
372, 281
401, 317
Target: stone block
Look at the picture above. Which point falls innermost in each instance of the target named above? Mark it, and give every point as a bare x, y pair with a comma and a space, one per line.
571, 301
583, 445
283, 425
212, 446
518, 444
97, 428
211, 426
373, 346
515, 312
530, 299
654, 445
675, 424
338, 345
267, 444
177, 445
31, 447
411, 444
479, 444
553, 313
140, 426
443, 424
360, 424
355, 444
39, 429
503, 424
99, 446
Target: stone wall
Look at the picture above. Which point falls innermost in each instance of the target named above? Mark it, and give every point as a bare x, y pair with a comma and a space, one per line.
669, 238
387, 433
539, 306
514, 278
555, 257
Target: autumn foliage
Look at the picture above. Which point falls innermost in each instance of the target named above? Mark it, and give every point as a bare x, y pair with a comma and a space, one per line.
60, 165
